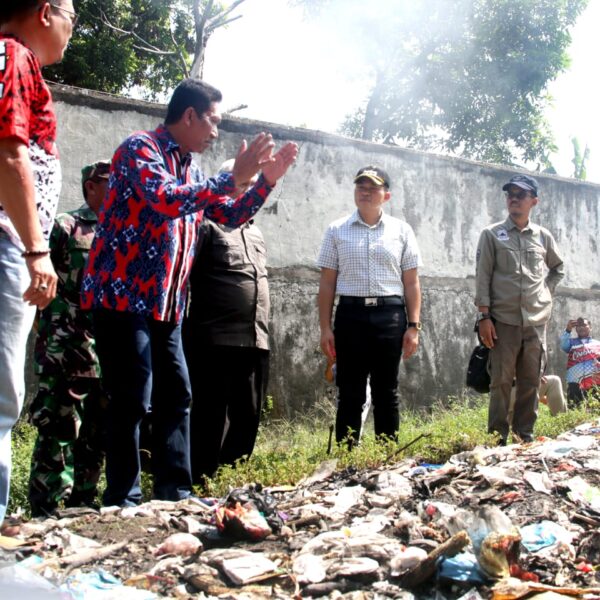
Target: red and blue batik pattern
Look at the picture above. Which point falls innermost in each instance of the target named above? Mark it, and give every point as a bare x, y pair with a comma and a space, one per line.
146, 237
27, 115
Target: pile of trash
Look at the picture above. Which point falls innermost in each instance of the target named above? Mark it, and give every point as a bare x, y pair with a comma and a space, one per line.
519, 521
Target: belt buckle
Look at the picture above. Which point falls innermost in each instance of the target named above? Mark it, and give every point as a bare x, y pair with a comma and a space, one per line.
370, 301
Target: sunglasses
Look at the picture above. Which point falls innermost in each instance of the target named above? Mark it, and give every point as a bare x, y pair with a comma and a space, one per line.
520, 195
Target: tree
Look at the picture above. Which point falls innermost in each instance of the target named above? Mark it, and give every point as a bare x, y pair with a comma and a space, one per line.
467, 77
579, 160
145, 44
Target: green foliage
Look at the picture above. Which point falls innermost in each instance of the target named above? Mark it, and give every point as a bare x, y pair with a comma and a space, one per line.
466, 77
23, 440
579, 160
287, 451
120, 45
267, 407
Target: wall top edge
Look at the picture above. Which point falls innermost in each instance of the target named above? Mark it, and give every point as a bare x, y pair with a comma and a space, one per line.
232, 124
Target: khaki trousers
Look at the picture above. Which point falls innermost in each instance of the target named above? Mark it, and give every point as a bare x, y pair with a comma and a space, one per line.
518, 353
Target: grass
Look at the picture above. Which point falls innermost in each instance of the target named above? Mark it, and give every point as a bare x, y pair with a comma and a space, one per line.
287, 451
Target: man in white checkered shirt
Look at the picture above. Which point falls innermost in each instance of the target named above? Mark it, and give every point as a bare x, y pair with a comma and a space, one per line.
370, 260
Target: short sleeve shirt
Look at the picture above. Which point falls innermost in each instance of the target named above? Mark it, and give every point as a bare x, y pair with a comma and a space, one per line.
369, 259
27, 114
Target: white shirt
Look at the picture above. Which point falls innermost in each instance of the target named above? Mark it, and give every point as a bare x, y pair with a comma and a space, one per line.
369, 259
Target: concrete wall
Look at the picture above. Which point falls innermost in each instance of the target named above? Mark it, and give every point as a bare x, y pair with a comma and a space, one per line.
447, 201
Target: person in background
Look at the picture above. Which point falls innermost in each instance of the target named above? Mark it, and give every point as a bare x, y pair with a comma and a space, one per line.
227, 324
370, 260
69, 407
514, 296
33, 34
136, 279
583, 362
550, 393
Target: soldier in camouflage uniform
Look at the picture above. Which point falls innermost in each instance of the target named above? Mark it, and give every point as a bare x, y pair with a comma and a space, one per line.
68, 409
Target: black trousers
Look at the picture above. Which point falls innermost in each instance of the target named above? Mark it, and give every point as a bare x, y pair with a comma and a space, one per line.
229, 384
142, 363
368, 342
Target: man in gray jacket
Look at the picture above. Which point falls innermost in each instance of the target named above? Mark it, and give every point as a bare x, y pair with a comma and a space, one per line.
514, 297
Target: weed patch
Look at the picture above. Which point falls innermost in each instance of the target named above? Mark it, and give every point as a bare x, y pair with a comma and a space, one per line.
288, 450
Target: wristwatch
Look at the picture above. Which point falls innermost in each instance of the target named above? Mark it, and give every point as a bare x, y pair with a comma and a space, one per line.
483, 316
416, 324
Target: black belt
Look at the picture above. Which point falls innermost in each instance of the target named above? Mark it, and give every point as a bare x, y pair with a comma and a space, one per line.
372, 300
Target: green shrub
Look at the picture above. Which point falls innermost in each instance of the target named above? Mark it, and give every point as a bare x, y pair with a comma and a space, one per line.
23, 439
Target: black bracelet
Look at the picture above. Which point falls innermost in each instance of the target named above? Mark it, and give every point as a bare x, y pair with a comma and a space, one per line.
31, 253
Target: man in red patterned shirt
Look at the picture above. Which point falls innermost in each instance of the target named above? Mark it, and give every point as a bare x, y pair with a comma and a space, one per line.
33, 33
137, 273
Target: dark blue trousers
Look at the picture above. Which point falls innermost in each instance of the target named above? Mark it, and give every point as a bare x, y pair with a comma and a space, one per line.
143, 365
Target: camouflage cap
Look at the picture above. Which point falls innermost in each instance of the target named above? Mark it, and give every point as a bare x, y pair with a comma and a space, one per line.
99, 169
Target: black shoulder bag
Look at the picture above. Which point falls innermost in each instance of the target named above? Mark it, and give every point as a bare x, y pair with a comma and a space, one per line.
478, 376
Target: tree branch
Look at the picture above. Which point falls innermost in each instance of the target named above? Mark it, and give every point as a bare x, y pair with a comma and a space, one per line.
211, 27
219, 19
182, 61
147, 46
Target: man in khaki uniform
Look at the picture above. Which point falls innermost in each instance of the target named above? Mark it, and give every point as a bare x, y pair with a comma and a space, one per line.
514, 297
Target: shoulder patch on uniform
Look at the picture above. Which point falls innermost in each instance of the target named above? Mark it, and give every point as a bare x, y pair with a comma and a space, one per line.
502, 234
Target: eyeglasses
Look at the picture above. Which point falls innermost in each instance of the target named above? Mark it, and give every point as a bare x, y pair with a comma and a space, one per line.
520, 195
72, 15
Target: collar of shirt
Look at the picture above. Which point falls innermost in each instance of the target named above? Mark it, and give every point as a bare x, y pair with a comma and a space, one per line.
510, 224
356, 218
17, 39
87, 214
167, 141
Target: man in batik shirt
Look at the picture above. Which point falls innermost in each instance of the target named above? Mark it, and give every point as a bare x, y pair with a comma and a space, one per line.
137, 275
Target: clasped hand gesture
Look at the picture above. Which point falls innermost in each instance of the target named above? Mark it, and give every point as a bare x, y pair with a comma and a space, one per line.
259, 156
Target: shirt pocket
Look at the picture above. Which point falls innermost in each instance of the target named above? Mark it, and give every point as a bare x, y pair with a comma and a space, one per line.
508, 260
535, 261
228, 255
387, 251
260, 258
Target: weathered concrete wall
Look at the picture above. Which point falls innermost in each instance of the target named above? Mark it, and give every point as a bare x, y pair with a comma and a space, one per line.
447, 201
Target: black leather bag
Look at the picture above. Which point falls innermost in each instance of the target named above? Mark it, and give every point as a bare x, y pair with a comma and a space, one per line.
478, 376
